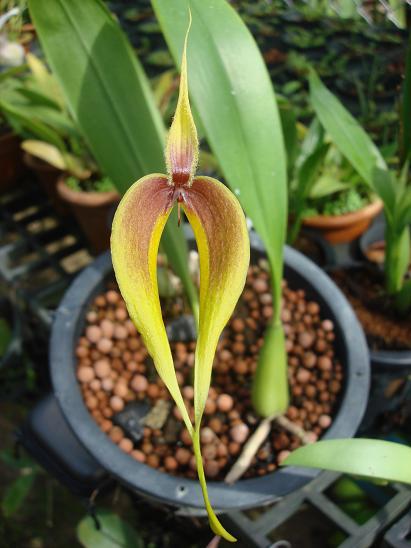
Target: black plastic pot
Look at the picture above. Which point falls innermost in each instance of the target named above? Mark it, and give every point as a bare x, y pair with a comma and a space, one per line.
390, 383
351, 349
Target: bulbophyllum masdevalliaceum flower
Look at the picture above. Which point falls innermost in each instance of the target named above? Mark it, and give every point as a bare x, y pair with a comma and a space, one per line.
224, 251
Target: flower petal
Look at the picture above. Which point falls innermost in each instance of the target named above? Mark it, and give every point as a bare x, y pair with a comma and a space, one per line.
182, 143
137, 227
224, 250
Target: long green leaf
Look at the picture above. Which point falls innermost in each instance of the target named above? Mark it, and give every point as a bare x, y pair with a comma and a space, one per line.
25, 125
404, 209
290, 134
235, 102
233, 96
104, 86
375, 459
385, 186
109, 97
345, 131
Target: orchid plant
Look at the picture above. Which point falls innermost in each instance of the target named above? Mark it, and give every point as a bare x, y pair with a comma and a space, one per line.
220, 230
34, 106
393, 188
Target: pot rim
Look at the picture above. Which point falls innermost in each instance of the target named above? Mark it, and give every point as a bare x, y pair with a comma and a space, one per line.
177, 491
85, 198
338, 221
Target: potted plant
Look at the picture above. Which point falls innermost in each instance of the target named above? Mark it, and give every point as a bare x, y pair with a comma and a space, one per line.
326, 193
11, 160
91, 200
138, 224
382, 300
11, 54
34, 107
57, 152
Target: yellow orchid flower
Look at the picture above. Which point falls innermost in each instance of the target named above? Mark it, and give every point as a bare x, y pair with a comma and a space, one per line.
220, 230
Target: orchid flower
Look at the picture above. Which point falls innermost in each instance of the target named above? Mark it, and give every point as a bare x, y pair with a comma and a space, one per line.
220, 230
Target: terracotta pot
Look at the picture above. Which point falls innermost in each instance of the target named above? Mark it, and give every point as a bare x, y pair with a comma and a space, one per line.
345, 228
92, 210
47, 176
11, 161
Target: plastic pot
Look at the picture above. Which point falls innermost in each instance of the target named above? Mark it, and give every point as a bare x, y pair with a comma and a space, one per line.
47, 176
350, 347
374, 235
345, 228
92, 210
11, 160
316, 248
390, 383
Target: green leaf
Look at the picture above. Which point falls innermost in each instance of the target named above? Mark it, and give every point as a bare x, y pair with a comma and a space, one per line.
235, 102
404, 209
113, 533
403, 297
345, 131
16, 494
313, 139
326, 185
384, 185
397, 257
104, 86
13, 71
289, 127
24, 124
44, 80
233, 96
55, 120
109, 96
309, 171
374, 459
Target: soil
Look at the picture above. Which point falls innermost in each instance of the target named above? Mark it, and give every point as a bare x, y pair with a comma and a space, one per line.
364, 289
308, 245
115, 372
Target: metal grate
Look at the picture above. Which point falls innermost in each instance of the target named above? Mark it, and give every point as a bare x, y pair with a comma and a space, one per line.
256, 533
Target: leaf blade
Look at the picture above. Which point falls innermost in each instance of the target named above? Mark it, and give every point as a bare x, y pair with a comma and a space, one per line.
233, 96
345, 131
96, 69
365, 457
